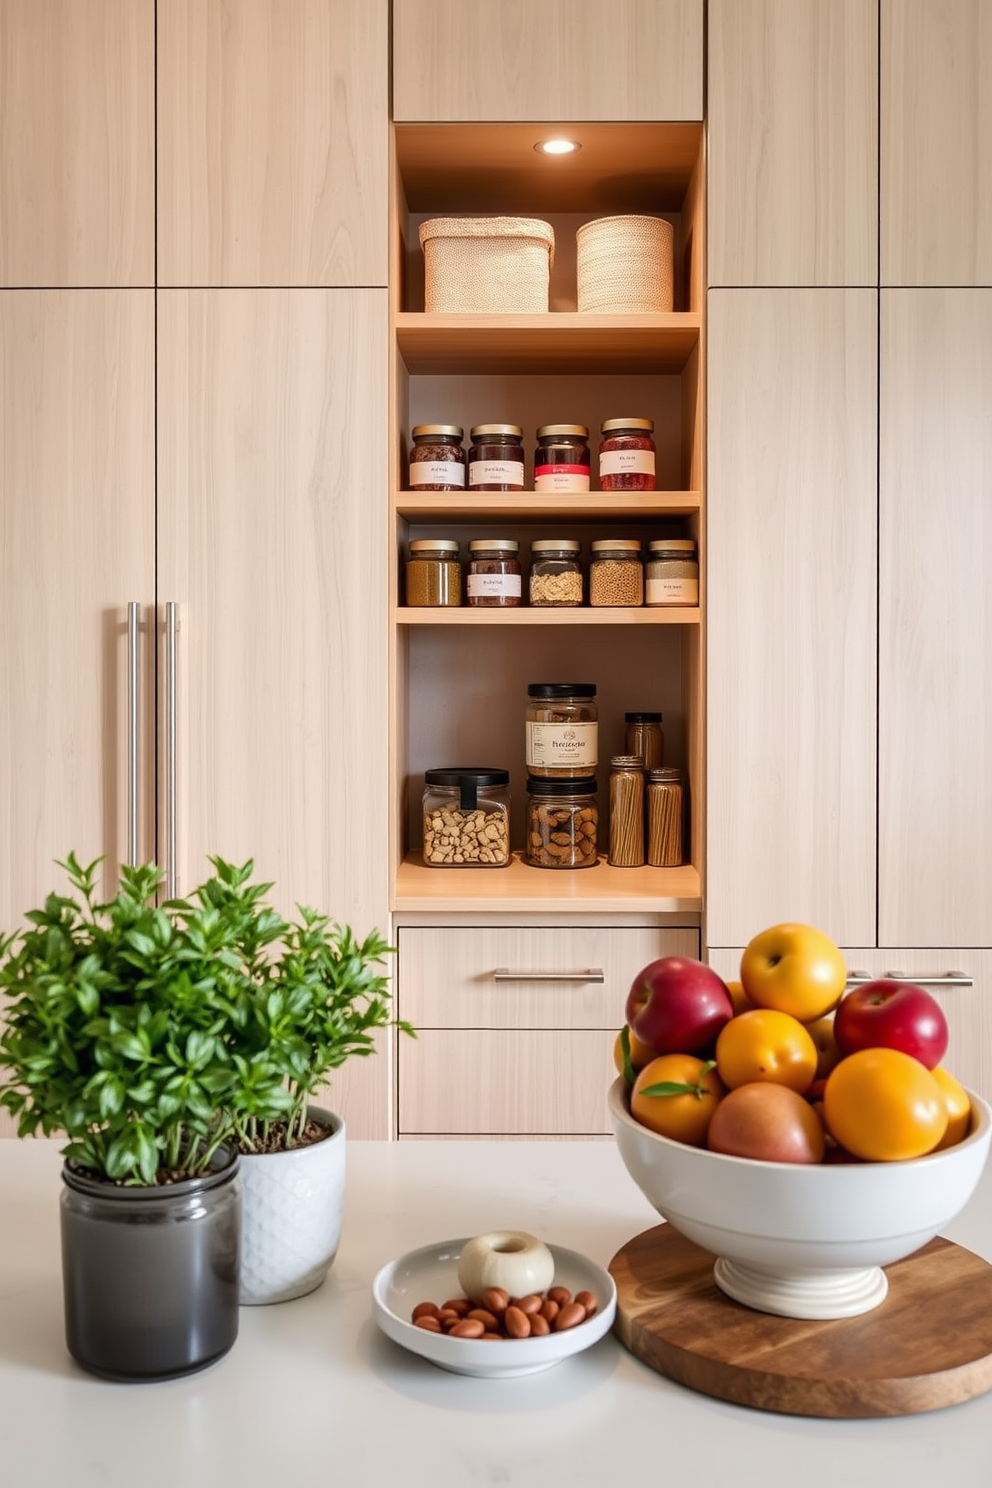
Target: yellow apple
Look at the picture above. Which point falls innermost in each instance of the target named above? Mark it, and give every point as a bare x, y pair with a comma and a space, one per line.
795, 969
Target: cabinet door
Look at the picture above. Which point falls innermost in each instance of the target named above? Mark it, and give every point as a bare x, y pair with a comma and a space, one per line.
793, 142
78, 509
936, 156
77, 131
791, 612
273, 120
547, 59
935, 626
272, 542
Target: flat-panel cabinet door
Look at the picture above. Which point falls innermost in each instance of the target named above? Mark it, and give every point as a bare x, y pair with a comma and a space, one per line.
272, 544
791, 612
77, 142
792, 129
547, 59
935, 619
936, 142
273, 120
77, 513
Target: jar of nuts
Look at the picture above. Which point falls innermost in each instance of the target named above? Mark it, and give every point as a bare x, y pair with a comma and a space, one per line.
555, 573
562, 821
615, 573
466, 818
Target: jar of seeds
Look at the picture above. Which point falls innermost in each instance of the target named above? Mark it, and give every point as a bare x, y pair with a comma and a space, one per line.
616, 576
555, 573
671, 572
433, 573
562, 823
466, 818
437, 459
493, 580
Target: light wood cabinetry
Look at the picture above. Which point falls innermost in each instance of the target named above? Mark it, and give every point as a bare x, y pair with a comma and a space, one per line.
516, 1025
792, 129
547, 59
273, 142
77, 140
791, 634
936, 142
935, 635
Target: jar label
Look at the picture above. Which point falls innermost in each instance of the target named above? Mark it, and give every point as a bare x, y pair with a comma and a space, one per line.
502, 586
673, 591
437, 473
561, 477
562, 746
625, 461
496, 473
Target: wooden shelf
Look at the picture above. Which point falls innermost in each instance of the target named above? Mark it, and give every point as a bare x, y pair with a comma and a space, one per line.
521, 889
484, 506
562, 342
545, 615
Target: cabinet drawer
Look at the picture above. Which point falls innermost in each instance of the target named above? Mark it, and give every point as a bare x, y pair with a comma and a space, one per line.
517, 978
535, 1082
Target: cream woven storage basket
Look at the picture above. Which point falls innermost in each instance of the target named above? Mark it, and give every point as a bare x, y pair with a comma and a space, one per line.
626, 264
482, 265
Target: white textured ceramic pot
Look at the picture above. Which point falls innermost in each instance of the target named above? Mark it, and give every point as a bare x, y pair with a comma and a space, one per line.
292, 1208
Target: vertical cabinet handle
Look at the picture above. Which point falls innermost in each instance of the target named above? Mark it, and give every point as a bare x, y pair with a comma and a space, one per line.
171, 735
133, 727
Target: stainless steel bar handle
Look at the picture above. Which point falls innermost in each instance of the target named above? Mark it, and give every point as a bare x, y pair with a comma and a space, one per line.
133, 726
171, 736
947, 979
591, 974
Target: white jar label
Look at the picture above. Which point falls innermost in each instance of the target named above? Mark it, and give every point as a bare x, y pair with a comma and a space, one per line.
561, 477
496, 473
562, 746
673, 591
487, 586
626, 461
437, 473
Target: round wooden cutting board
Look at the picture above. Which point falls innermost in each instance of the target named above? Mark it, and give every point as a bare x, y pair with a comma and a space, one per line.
928, 1345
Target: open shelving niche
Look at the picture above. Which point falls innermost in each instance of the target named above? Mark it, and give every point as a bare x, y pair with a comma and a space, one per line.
460, 675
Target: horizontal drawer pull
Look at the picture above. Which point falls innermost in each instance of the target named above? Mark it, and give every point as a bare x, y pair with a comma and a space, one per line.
591, 974
944, 979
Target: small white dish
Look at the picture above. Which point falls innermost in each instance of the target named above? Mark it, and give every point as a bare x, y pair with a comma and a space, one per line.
431, 1275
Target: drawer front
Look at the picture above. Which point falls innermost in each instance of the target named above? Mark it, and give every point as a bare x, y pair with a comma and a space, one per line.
538, 1083
526, 978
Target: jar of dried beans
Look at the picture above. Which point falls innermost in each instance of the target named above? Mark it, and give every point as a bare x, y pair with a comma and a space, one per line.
466, 818
496, 458
493, 578
562, 823
626, 455
433, 573
615, 573
562, 729
437, 459
555, 572
671, 573
561, 461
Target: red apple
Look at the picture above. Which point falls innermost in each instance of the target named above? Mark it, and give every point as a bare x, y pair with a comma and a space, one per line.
677, 1005
892, 1014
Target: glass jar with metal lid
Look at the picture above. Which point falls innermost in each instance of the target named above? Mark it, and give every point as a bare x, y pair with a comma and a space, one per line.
555, 572
433, 572
645, 736
496, 458
665, 809
493, 578
437, 459
466, 818
561, 461
671, 572
616, 576
562, 729
626, 811
562, 823
626, 455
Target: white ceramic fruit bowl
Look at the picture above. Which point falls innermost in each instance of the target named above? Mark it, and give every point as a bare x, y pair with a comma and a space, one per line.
801, 1241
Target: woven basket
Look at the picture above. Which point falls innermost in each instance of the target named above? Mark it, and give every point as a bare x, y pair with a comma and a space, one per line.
626, 264
482, 265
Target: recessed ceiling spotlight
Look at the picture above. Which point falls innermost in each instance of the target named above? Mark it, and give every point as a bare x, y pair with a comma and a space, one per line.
557, 147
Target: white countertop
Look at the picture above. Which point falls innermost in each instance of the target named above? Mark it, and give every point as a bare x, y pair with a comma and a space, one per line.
313, 1393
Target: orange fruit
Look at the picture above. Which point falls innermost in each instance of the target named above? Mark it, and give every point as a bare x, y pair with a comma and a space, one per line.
683, 1107
958, 1106
769, 1046
885, 1106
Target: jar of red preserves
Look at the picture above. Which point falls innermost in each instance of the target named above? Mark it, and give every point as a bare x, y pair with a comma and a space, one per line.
626, 455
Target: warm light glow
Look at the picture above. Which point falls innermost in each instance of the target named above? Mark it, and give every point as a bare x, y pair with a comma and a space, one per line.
557, 147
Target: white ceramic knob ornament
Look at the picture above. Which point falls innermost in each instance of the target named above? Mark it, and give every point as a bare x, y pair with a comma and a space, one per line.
511, 1259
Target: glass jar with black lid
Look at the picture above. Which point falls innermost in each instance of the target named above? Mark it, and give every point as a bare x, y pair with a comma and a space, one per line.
466, 817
